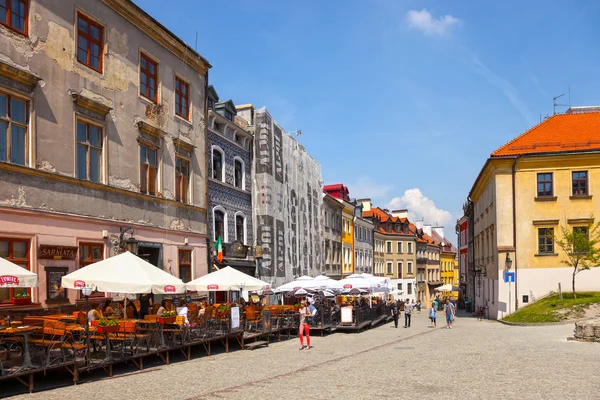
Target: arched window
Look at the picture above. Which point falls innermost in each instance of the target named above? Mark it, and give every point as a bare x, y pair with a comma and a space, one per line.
240, 227
218, 159
239, 173
220, 224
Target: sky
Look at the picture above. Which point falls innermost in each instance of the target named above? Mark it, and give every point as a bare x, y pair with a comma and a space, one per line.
402, 101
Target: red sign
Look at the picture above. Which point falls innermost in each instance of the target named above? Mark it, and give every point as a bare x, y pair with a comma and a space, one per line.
296, 288
6, 279
170, 289
347, 286
79, 284
213, 287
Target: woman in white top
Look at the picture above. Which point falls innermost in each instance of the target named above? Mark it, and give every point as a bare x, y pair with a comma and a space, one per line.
182, 311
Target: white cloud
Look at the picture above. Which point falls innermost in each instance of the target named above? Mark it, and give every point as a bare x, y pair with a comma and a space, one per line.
365, 187
423, 21
421, 207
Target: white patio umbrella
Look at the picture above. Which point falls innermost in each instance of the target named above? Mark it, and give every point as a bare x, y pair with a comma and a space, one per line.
14, 276
350, 283
227, 279
380, 283
447, 288
312, 283
124, 273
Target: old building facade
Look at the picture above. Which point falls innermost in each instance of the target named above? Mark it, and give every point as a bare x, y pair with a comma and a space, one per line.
106, 113
229, 184
363, 243
332, 236
342, 194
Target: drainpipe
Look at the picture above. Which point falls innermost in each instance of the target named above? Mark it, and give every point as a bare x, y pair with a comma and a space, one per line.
206, 161
514, 212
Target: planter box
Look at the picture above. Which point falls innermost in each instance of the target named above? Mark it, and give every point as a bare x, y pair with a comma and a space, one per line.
167, 320
21, 301
107, 329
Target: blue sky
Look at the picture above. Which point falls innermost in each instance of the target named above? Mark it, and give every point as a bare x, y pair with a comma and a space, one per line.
403, 101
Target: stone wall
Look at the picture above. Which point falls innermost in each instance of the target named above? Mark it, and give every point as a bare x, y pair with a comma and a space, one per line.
587, 331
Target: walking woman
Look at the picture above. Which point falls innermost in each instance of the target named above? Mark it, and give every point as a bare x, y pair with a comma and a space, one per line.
304, 326
407, 314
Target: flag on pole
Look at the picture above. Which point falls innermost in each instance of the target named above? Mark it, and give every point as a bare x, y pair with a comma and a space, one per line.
219, 247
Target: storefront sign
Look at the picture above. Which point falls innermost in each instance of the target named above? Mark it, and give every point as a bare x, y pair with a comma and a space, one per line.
170, 289
8, 280
212, 287
347, 286
258, 251
236, 250
235, 317
55, 291
346, 315
79, 284
57, 252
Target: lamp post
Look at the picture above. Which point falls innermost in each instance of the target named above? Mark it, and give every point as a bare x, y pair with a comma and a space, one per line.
86, 292
130, 244
507, 267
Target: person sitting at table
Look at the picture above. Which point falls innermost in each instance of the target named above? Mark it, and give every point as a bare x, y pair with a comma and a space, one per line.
119, 312
132, 311
164, 306
182, 311
108, 310
94, 314
203, 306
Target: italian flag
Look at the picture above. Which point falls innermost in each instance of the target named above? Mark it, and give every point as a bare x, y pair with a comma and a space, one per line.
219, 247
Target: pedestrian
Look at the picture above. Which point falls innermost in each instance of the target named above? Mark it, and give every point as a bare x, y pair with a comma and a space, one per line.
419, 306
433, 315
449, 311
146, 302
304, 326
395, 313
407, 314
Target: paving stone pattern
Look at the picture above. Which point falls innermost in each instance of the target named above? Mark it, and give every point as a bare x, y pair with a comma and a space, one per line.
474, 360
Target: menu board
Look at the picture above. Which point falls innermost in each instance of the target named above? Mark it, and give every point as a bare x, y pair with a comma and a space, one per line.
235, 317
55, 291
346, 315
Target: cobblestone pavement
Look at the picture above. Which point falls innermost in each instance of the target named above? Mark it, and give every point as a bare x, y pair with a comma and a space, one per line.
474, 360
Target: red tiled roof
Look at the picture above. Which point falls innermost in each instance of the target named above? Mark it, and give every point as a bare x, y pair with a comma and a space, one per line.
559, 133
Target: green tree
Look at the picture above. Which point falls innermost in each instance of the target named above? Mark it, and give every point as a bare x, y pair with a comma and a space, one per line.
581, 246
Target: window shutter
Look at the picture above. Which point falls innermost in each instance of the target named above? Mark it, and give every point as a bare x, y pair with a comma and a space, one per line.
152, 180
143, 177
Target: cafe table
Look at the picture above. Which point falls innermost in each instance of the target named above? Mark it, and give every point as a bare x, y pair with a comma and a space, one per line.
24, 332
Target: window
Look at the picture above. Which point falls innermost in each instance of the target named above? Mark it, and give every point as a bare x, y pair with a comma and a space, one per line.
217, 164
13, 13
182, 96
400, 247
389, 268
239, 228
148, 78
185, 265
409, 267
410, 248
544, 184
400, 269
17, 252
13, 128
389, 246
219, 220
238, 174
355, 232
211, 103
409, 288
182, 179
228, 115
89, 152
580, 183
89, 43
546, 240
90, 253
148, 168
399, 286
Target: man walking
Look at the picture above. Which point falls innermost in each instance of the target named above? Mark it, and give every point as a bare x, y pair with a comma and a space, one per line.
395, 312
407, 314
449, 311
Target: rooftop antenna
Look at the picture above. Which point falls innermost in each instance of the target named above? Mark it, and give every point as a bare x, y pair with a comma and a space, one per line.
555, 104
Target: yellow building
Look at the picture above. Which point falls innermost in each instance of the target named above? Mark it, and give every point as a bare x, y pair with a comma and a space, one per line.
341, 194
529, 190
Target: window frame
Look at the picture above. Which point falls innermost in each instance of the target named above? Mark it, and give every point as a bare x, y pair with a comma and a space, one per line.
214, 224
84, 263
388, 247
389, 267
547, 245
8, 24
182, 182
400, 266
182, 96
153, 61
148, 168
244, 219
400, 247
579, 180
212, 160
545, 182
184, 264
238, 159
100, 127
409, 268
410, 248
10, 122
90, 40
19, 261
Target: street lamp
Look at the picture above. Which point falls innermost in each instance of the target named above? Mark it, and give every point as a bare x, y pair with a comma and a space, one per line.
508, 262
86, 291
130, 244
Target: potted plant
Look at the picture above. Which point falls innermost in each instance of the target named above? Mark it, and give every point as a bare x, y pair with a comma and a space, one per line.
21, 299
223, 310
107, 325
167, 317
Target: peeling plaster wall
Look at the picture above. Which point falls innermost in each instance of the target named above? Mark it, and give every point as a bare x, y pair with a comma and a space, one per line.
49, 52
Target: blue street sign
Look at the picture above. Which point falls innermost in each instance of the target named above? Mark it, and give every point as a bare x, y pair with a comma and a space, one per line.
509, 276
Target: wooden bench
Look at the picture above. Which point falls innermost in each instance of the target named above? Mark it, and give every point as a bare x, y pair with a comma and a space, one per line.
255, 345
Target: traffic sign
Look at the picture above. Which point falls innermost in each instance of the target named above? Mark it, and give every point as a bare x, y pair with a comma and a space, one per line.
509, 276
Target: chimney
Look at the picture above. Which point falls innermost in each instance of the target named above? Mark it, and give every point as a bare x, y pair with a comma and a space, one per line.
419, 224
366, 204
427, 229
440, 231
400, 213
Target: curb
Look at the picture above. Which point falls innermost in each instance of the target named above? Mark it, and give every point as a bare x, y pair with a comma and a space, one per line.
570, 321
